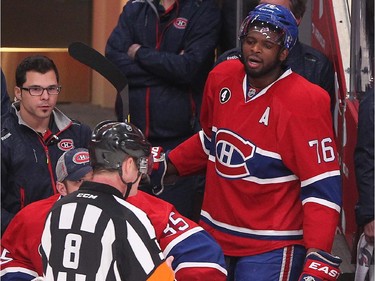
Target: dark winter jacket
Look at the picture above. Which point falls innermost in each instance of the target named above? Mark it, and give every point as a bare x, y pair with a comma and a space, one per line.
28, 162
364, 160
167, 77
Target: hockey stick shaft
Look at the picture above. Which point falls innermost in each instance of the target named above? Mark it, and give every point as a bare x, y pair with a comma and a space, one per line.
96, 61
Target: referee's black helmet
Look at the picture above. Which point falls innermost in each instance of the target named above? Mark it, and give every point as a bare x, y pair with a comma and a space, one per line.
112, 142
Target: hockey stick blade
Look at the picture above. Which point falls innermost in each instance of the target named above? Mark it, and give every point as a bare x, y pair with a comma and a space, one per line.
96, 61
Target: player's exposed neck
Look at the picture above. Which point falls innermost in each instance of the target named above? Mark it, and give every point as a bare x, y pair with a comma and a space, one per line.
264, 80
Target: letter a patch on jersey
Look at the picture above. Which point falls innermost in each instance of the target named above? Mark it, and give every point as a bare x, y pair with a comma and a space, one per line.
265, 117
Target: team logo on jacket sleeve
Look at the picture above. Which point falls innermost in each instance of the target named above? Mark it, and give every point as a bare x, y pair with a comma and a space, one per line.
232, 152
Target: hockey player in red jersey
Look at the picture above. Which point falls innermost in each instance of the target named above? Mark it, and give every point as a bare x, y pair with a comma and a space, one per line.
196, 255
273, 192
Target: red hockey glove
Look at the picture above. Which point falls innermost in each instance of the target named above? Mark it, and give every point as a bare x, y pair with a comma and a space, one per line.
158, 157
321, 266
155, 181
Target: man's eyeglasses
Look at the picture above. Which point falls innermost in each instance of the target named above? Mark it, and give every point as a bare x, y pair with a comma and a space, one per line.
38, 91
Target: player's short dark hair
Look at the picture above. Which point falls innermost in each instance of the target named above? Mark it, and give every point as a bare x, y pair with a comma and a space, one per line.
38, 63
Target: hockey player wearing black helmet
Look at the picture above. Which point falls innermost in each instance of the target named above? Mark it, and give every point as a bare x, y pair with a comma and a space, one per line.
93, 233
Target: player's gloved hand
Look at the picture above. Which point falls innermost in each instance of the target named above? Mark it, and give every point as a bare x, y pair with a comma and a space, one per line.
321, 266
154, 181
159, 168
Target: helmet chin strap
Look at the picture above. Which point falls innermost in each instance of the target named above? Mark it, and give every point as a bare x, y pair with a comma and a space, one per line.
129, 185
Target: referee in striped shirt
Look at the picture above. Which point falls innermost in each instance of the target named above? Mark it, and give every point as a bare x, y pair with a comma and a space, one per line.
93, 233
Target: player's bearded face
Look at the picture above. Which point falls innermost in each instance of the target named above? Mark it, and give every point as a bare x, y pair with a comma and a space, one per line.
262, 53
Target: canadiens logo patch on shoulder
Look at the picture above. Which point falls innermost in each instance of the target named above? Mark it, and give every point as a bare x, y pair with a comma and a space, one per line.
180, 23
225, 95
65, 144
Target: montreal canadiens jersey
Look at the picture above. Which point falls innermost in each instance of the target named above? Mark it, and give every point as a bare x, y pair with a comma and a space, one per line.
197, 257
20, 257
272, 175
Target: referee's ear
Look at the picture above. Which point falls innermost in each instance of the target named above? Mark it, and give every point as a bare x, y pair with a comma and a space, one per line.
128, 167
61, 188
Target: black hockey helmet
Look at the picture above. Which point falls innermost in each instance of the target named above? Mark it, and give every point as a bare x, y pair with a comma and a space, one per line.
112, 141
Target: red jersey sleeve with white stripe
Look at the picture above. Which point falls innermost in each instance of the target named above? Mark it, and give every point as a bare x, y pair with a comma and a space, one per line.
308, 148
196, 254
20, 258
196, 161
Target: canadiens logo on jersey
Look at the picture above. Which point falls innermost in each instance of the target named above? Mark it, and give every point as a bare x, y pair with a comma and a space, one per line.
232, 153
65, 144
180, 23
225, 95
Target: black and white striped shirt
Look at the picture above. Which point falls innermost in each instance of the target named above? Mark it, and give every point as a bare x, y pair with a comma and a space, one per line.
93, 234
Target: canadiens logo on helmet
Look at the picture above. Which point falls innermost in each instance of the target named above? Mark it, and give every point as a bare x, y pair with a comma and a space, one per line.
65, 144
225, 95
232, 152
180, 23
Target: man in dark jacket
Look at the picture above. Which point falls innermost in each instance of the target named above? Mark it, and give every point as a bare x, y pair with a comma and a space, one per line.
303, 59
233, 12
364, 171
34, 134
166, 49
364, 165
